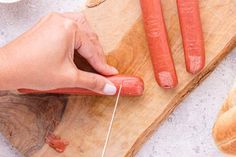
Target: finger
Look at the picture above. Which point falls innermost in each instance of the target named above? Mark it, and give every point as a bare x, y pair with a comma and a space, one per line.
81, 19
95, 58
90, 48
95, 82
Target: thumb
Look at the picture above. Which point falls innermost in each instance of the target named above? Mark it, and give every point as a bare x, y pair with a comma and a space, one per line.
95, 82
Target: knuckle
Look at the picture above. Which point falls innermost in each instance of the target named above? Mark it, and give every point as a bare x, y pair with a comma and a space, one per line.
82, 15
93, 36
82, 18
90, 57
95, 83
70, 25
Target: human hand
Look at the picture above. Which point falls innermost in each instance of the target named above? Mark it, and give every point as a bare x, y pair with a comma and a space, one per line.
42, 58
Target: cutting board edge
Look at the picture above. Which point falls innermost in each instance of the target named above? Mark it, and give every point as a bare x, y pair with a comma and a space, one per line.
142, 138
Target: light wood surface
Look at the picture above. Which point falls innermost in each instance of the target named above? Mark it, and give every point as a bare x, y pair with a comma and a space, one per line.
25, 120
119, 26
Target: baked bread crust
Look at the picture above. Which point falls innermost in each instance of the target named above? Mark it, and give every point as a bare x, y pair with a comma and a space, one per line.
224, 130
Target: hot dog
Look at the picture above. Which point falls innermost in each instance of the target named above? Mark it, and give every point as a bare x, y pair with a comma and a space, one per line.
131, 86
160, 52
192, 35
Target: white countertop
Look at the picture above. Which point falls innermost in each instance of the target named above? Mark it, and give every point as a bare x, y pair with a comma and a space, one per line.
187, 132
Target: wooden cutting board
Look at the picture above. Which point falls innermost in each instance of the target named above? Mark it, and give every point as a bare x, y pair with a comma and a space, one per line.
85, 120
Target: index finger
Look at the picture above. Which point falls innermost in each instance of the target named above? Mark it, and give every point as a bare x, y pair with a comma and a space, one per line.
90, 47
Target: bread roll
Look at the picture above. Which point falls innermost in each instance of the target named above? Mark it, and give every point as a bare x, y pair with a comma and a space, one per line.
224, 130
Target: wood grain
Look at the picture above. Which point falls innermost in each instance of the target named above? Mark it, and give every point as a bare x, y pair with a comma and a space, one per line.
25, 120
119, 26
86, 119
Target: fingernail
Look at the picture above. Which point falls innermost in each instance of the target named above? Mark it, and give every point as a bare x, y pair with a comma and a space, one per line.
114, 70
109, 89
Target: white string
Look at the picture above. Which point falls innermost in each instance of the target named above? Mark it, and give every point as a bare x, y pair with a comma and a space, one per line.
111, 122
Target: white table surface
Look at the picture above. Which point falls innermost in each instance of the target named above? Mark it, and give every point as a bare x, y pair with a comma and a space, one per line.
187, 132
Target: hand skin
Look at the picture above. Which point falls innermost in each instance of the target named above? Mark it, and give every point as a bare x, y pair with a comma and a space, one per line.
42, 58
